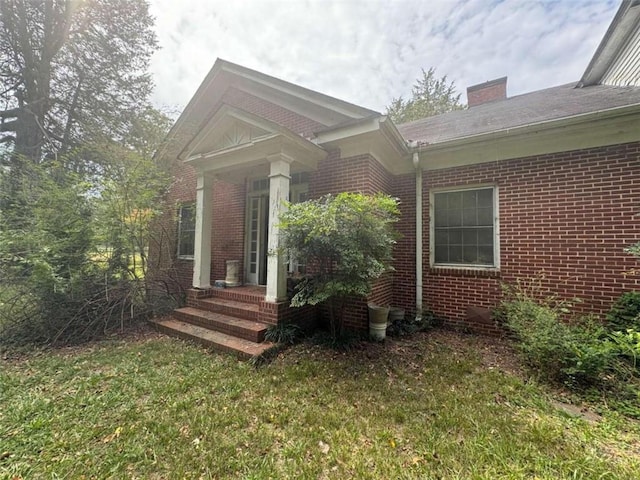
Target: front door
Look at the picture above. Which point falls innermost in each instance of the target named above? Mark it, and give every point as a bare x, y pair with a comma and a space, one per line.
257, 238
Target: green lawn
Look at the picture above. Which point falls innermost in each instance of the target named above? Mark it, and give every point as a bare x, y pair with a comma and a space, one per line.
436, 406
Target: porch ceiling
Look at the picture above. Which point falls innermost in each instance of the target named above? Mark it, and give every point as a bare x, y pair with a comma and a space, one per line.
235, 143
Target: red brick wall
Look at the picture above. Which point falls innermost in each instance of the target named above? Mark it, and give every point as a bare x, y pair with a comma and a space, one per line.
564, 218
404, 278
227, 240
277, 114
164, 266
363, 174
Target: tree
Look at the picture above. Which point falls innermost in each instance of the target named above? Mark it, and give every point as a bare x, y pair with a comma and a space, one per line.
77, 179
429, 96
346, 241
77, 266
71, 72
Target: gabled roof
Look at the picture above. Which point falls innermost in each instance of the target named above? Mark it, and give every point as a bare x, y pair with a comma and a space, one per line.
617, 58
542, 106
323, 109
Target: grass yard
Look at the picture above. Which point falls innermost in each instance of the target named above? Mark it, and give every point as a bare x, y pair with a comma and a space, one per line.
438, 405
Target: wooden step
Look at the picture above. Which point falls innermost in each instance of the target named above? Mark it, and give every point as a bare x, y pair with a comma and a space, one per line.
222, 342
233, 308
251, 330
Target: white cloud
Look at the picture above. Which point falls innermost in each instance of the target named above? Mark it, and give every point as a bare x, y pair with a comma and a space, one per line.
367, 52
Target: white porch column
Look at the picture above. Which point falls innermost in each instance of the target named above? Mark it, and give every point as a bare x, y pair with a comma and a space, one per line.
202, 252
278, 192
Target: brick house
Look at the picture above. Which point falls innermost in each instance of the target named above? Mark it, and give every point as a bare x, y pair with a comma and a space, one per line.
542, 185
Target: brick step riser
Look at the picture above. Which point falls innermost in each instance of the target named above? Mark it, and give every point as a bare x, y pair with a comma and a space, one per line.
222, 327
202, 341
237, 312
230, 294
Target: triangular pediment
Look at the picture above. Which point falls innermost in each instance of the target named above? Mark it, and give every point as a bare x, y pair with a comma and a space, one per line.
230, 128
234, 140
234, 133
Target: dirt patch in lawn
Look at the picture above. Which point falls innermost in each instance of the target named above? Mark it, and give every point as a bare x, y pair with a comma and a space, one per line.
493, 352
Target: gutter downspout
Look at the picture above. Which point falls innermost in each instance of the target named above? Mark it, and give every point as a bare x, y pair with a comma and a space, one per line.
416, 165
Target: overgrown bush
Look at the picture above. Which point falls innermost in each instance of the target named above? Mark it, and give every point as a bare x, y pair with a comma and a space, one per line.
625, 313
578, 351
73, 253
347, 241
575, 352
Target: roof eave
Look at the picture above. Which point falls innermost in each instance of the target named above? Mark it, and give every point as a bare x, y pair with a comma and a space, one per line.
602, 114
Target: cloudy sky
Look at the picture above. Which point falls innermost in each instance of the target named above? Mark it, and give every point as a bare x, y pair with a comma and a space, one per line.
370, 51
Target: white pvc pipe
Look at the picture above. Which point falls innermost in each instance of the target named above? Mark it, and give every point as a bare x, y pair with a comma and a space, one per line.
416, 164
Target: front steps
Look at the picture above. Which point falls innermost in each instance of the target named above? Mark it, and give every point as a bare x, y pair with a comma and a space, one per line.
226, 321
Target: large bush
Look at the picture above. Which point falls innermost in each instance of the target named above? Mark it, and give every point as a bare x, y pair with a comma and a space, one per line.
346, 240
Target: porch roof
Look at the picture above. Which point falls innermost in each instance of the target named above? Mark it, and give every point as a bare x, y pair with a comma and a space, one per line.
234, 143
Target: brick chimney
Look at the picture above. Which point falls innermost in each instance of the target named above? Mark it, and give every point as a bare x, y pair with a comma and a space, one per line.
487, 92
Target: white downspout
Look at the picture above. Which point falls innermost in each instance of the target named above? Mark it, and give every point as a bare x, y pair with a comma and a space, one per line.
416, 165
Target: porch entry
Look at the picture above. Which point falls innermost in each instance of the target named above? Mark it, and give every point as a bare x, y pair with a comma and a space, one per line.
257, 226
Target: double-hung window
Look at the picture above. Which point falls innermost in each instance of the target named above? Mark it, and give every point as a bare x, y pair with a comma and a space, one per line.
464, 227
186, 230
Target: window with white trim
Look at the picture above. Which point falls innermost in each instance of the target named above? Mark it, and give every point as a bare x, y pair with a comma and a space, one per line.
464, 227
186, 230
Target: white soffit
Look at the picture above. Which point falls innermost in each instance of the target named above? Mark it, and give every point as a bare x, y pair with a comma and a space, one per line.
625, 69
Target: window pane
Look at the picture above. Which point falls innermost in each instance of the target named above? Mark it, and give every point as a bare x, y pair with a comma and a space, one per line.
470, 236
485, 236
442, 254
442, 237
469, 199
440, 217
454, 200
455, 254
454, 218
485, 198
455, 236
469, 217
485, 216
485, 255
470, 254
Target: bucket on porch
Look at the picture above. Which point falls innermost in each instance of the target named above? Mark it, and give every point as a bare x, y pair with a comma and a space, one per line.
233, 273
378, 321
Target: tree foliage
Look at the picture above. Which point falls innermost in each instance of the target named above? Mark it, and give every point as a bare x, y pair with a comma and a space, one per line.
429, 96
72, 72
346, 241
79, 187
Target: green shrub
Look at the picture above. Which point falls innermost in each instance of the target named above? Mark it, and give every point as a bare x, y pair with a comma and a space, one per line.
627, 345
348, 238
576, 354
625, 313
285, 333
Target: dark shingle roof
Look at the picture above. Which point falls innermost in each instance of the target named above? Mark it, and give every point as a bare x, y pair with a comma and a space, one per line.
540, 106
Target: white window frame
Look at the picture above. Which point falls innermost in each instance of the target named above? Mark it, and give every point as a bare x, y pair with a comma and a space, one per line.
496, 229
181, 206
